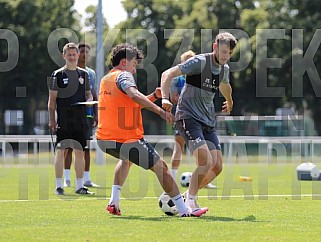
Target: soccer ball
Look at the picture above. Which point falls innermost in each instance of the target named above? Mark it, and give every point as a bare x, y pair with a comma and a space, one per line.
167, 205
185, 179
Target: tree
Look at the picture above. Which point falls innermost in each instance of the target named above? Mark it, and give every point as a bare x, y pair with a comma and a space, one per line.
35, 63
89, 33
297, 20
164, 29
144, 27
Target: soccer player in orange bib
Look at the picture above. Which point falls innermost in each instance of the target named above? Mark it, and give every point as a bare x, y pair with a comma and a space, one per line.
120, 130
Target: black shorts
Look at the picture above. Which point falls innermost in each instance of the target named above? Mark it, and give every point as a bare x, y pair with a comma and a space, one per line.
140, 152
90, 122
196, 134
75, 139
176, 133
89, 133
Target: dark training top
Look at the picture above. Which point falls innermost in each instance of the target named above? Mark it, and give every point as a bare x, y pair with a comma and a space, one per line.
71, 86
202, 81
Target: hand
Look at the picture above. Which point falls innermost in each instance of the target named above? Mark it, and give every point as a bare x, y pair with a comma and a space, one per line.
168, 116
89, 100
167, 105
227, 106
52, 126
174, 97
95, 121
158, 92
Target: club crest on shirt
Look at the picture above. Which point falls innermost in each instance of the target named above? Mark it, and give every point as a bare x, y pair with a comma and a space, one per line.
81, 80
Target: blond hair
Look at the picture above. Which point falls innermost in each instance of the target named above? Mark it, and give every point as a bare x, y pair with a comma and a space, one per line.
186, 55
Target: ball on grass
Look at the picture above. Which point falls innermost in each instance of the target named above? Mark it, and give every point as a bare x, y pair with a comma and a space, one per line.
167, 205
186, 179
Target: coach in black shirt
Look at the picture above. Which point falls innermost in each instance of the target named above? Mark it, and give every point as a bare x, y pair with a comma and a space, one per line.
68, 86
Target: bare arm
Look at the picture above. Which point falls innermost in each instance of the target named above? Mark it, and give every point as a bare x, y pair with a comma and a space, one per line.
144, 102
51, 109
167, 77
95, 98
155, 95
89, 96
226, 90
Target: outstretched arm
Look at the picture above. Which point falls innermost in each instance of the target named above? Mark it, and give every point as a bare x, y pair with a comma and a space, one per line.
155, 95
144, 102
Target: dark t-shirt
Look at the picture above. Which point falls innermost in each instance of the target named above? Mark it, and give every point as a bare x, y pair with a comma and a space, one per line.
71, 86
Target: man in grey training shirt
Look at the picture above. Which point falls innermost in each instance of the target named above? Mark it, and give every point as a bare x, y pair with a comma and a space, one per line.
195, 114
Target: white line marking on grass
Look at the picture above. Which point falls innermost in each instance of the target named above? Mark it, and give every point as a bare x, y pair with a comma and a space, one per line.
243, 196
141, 198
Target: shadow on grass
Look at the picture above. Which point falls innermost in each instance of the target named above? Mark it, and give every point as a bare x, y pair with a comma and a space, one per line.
250, 218
131, 217
69, 196
100, 188
93, 188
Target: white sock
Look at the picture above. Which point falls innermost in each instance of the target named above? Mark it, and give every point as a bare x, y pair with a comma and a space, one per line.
174, 173
190, 199
59, 183
180, 205
115, 195
67, 174
79, 183
86, 176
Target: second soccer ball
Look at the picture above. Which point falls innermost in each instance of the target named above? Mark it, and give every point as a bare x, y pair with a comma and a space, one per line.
186, 179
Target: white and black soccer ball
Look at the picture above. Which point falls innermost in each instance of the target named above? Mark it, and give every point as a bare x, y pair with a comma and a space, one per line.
186, 179
167, 205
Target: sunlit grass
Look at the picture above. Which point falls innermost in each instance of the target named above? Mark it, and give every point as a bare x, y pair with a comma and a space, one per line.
273, 206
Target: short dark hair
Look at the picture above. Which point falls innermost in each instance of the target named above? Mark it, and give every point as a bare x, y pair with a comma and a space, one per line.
83, 44
226, 38
127, 51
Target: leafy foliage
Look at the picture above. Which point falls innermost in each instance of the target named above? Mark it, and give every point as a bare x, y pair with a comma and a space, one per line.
278, 51
34, 63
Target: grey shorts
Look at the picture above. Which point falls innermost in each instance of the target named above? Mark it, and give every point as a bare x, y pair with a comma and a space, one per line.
140, 152
196, 133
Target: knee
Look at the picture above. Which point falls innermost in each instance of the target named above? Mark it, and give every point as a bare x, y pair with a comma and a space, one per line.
163, 164
217, 162
125, 163
217, 167
160, 165
79, 153
60, 155
203, 158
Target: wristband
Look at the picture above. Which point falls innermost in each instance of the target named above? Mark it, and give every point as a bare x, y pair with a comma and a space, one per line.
155, 96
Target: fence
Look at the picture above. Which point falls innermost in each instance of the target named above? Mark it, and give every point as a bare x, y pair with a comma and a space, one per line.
308, 147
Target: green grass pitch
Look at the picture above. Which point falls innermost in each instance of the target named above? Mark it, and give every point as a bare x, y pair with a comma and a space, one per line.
274, 206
